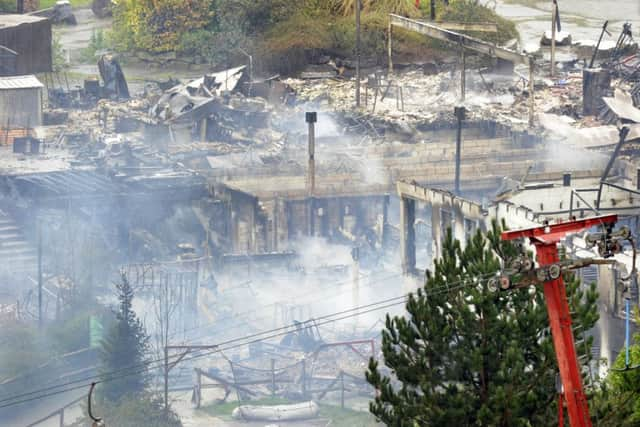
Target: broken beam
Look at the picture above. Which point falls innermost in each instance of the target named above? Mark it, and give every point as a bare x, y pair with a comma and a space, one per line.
463, 26
467, 42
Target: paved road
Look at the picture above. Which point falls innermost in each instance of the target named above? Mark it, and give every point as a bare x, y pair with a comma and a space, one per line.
582, 18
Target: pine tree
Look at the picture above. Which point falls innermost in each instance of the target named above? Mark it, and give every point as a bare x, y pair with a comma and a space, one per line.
466, 355
124, 350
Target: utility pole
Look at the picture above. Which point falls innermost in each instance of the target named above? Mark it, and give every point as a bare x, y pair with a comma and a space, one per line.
460, 113
358, 7
39, 231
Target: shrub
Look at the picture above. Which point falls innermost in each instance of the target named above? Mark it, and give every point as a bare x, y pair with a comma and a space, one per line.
157, 25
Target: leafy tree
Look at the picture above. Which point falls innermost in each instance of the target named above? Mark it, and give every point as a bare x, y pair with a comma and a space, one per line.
157, 25
465, 355
125, 346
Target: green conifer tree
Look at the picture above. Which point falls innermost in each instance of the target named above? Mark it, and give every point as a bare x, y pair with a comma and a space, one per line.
465, 355
124, 350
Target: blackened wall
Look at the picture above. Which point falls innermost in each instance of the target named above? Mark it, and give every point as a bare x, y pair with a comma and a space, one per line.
30, 37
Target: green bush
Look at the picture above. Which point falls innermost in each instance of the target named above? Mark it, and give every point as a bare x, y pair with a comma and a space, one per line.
7, 6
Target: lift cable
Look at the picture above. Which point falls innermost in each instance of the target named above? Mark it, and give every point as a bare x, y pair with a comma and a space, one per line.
239, 342
247, 313
159, 360
145, 369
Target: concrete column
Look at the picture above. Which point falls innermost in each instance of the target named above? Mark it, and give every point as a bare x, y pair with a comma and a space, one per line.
458, 224
408, 234
276, 225
203, 130
385, 220
436, 230
253, 232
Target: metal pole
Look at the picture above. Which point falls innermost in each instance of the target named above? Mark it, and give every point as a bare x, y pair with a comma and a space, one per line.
460, 115
304, 378
626, 333
40, 320
390, 59
20, 6
342, 389
358, 7
311, 119
532, 100
463, 75
166, 382
273, 377
553, 38
595, 51
624, 132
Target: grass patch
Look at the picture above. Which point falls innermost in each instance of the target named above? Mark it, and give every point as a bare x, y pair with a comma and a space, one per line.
347, 417
44, 4
339, 417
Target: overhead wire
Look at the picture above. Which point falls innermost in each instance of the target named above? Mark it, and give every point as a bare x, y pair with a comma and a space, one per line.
294, 297
162, 359
239, 342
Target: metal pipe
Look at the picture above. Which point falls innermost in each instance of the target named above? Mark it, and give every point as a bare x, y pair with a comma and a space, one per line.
311, 119
623, 136
595, 52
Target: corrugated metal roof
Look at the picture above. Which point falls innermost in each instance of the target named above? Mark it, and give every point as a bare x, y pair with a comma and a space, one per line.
19, 82
13, 20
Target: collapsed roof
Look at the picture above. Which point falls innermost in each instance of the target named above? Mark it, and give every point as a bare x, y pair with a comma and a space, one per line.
195, 100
